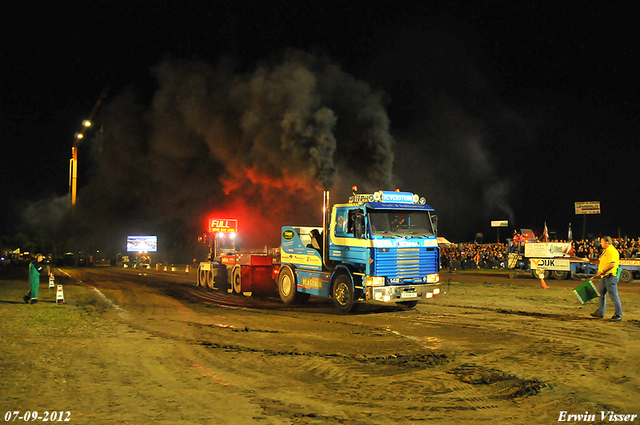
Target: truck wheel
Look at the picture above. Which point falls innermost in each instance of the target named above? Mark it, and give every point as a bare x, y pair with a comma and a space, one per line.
237, 281
210, 283
287, 286
203, 278
559, 274
626, 276
342, 293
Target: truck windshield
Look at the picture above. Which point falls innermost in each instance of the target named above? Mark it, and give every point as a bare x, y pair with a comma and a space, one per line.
400, 222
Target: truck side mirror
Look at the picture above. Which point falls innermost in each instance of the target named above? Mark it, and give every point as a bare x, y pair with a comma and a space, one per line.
358, 226
434, 223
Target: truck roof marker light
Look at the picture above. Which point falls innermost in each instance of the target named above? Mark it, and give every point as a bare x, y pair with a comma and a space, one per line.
377, 197
397, 190
354, 189
423, 200
416, 198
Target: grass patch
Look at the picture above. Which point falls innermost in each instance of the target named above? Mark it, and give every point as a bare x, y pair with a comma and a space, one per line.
47, 320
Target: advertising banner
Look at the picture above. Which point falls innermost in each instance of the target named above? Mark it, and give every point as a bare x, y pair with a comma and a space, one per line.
591, 207
561, 264
547, 249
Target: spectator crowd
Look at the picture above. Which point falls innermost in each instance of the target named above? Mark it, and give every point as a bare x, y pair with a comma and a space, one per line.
472, 256
495, 256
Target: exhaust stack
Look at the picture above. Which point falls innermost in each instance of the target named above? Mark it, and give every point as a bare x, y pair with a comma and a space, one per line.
326, 218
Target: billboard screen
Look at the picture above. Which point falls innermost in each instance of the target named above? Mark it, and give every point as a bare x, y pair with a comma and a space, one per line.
142, 243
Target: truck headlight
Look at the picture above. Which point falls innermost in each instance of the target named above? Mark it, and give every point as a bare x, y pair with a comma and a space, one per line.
374, 281
433, 278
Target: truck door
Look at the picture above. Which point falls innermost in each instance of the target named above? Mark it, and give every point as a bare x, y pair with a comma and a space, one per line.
351, 245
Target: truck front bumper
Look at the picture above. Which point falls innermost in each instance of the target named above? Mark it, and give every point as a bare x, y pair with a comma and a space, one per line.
400, 293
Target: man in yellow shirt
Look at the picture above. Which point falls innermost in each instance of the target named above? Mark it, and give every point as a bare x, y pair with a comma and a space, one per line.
608, 269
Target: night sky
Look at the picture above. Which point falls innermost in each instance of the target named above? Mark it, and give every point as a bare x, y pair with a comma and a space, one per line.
491, 110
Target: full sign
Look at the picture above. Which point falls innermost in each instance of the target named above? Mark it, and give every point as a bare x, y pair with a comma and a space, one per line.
223, 225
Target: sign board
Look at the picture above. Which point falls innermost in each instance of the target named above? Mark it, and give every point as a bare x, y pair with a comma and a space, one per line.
591, 207
223, 225
547, 250
550, 264
500, 223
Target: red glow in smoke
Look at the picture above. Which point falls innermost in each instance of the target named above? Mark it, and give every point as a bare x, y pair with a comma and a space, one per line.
263, 203
239, 178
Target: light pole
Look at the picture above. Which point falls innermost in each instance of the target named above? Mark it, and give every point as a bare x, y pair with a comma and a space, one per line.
73, 163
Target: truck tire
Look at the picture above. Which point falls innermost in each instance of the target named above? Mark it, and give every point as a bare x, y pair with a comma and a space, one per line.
626, 276
287, 286
559, 274
203, 278
342, 293
236, 283
210, 281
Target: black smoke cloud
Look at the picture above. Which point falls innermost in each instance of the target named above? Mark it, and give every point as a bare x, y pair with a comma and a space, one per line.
259, 146
455, 136
451, 162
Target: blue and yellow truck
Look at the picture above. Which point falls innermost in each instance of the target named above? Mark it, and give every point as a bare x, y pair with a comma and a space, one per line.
378, 248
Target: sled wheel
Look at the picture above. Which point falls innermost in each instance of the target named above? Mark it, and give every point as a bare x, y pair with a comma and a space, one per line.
237, 281
559, 274
626, 276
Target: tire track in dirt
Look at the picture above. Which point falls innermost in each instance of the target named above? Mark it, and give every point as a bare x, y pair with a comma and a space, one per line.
308, 365
536, 325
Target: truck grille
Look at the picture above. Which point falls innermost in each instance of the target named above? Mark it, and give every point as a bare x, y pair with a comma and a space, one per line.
405, 263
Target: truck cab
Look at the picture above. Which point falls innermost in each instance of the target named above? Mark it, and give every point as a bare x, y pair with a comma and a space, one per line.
378, 247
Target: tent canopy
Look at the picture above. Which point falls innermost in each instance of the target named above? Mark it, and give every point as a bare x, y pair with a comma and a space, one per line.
442, 241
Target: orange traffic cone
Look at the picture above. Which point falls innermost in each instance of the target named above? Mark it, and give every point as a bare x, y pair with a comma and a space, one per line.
544, 285
541, 276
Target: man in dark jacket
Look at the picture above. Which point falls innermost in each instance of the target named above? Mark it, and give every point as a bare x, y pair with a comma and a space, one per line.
35, 268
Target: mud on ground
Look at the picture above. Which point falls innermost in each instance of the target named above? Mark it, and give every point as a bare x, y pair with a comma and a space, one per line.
130, 347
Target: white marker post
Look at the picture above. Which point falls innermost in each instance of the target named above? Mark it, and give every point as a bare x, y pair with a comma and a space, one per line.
60, 295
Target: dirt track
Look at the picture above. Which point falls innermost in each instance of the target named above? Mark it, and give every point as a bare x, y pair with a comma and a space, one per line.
141, 348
